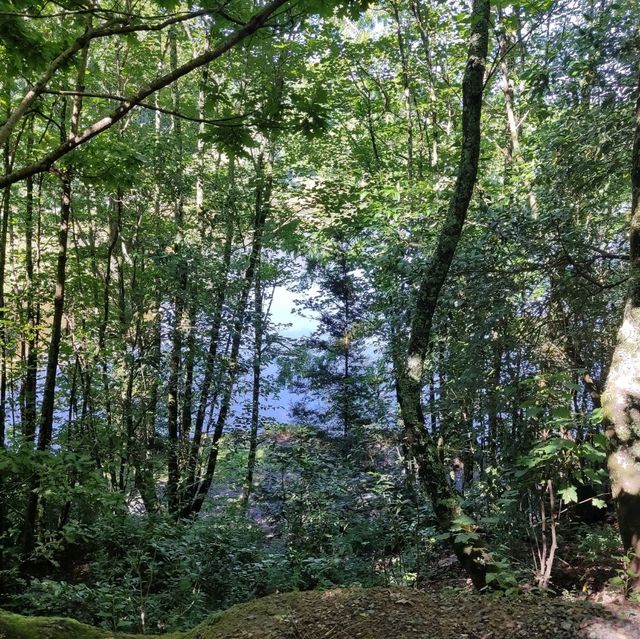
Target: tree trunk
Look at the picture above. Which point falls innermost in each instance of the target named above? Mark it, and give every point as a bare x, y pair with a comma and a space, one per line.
48, 397
514, 153
214, 335
4, 225
29, 385
432, 473
494, 404
255, 397
189, 367
143, 460
175, 359
621, 398
6, 193
114, 234
263, 197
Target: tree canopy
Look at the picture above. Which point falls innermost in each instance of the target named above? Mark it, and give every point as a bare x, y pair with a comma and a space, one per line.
449, 193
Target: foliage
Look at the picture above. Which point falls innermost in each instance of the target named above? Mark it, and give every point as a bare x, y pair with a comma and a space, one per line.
168, 447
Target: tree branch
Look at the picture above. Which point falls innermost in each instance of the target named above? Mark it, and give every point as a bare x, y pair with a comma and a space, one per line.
231, 121
108, 121
109, 29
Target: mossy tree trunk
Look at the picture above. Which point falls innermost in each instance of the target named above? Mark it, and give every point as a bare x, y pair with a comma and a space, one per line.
431, 470
621, 399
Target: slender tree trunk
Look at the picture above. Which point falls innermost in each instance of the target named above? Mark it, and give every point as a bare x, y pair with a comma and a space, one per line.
29, 386
175, 359
189, 366
423, 29
200, 145
214, 335
621, 399
347, 402
514, 152
406, 86
172, 404
468, 456
131, 360
114, 235
4, 225
144, 477
46, 418
433, 410
6, 193
255, 397
48, 397
494, 424
431, 470
263, 196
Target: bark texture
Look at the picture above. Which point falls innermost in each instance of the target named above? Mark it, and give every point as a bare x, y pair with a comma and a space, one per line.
431, 470
621, 399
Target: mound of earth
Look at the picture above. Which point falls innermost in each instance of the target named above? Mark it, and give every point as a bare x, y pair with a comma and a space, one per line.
377, 613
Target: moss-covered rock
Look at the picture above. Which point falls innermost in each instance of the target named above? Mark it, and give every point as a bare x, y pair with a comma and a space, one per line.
18, 627
377, 613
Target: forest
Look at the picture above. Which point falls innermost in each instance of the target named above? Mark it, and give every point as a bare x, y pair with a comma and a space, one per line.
320, 319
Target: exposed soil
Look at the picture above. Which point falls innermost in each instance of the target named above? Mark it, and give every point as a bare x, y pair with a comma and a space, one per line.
380, 613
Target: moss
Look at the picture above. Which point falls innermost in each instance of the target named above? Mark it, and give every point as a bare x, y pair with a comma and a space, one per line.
376, 613
18, 627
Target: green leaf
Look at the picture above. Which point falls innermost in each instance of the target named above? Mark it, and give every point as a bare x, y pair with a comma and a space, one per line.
442, 536
462, 521
569, 494
463, 538
554, 444
561, 413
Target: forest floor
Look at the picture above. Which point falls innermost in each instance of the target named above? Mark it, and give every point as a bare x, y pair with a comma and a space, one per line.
380, 613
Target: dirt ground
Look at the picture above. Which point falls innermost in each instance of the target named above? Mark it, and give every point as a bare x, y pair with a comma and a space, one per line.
380, 613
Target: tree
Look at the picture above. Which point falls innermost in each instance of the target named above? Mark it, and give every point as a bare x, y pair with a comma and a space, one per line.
335, 365
126, 104
454, 221
620, 400
431, 472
